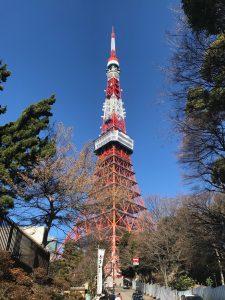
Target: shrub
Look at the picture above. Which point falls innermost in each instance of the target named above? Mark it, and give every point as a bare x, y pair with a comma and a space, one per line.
209, 281
184, 283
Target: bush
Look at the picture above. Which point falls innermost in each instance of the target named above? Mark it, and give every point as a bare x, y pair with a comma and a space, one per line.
41, 276
209, 282
21, 277
5, 264
184, 283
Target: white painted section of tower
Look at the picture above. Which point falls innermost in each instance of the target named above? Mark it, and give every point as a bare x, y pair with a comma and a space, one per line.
113, 44
113, 105
114, 136
112, 61
113, 72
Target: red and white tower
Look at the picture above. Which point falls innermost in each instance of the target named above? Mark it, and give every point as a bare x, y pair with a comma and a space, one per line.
114, 171
118, 200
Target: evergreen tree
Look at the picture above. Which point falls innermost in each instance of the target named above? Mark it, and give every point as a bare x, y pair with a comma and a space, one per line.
21, 143
4, 74
199, 74
208, 15
198, 70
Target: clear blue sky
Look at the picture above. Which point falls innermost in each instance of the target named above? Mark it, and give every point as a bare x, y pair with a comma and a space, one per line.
61, 47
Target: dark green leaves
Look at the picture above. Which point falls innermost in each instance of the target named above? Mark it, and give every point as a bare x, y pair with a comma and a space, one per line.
218, 174
208, 15
4, 74
21, 145
197, 100
213, 68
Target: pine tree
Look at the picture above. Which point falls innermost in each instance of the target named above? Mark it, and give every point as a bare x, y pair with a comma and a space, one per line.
4, 74
21, 143
199, 75
207, 15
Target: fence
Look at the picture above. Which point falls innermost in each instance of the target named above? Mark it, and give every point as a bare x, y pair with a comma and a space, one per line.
155, 290
208, 293
23, 249
163, 293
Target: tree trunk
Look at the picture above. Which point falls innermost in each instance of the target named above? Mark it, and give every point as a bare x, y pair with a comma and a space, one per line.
220, 266
163, 270
45, 237
50, 218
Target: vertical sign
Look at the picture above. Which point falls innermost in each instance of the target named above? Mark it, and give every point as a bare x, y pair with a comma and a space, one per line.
101, 253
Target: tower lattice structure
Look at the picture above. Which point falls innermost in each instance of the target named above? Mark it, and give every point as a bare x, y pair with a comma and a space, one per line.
118, 200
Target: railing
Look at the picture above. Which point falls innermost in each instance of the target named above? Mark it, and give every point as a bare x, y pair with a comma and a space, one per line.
155, 290
208, 293
163, 293
22, 248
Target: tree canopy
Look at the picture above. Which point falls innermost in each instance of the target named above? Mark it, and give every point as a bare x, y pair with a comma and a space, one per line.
21, 143
56, 188
197, 69
206, 15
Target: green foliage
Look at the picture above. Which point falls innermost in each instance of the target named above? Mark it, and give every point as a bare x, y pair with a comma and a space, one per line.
127, 249
208, 15
218, 172
203, 126
208, 104
77, 265
205, 103
183, 283
6, 202
21, 146
213, 68
21, 143
4, 74
197, 99
211, 100
209, 282
62, 269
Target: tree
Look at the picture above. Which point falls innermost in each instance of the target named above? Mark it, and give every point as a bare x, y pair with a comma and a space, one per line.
208, 15
56, 189
184, 282
21, 146
21, 143
203, 143
199, 76
205, 233
198, 72
160, 250
128, 248
157, 247
4, 74
187, 241
63, 269
78, 263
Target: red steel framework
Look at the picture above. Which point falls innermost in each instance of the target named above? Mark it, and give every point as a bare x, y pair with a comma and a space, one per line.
118, 200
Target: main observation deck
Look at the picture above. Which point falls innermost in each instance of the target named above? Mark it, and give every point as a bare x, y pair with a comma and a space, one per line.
114, 136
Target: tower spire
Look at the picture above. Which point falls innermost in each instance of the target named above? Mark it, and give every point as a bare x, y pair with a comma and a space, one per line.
113, 43
114, 112
113, 59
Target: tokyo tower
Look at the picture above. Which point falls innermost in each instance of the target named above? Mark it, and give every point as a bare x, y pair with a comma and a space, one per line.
118, 200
